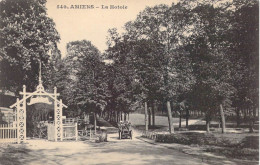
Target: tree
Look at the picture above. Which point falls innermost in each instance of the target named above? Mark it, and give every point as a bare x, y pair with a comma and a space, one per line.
81, 79
244, 49
162, 28
146, 63
196, 53
151, 51
211, 67
119, 76
27, 37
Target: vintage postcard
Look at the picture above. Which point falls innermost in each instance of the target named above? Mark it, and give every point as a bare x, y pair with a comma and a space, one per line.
111, 82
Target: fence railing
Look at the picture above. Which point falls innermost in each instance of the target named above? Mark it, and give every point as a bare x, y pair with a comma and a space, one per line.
71, 120
8, 133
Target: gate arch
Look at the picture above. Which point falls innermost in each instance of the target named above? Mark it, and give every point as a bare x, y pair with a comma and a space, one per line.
41, 97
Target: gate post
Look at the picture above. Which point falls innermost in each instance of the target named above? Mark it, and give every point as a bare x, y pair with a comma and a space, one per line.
55, 113
21, 118
58, 118
18, 121
61, 124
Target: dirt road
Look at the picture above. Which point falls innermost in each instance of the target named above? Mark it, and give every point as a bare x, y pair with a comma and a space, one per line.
114, 152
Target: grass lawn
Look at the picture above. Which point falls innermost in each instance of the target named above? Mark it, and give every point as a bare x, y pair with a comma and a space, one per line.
161, 123
236, 143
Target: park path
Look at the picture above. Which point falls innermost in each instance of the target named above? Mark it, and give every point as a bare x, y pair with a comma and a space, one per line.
113, 152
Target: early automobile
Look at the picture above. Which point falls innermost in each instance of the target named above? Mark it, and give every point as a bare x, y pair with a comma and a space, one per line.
124, 130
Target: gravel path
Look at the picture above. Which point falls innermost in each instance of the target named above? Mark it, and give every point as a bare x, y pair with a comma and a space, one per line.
113, 152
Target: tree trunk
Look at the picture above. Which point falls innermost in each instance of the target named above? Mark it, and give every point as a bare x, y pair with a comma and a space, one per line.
180, 119
238, 116
171, 129
223, 122
187, 118
208, 125
149, 117
252, 121
95, 122
153, 115
124, 116
113, 117
116, 118
145, 117
254, 112
251, 126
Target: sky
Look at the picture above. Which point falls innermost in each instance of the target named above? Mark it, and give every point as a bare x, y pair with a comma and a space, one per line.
93, 24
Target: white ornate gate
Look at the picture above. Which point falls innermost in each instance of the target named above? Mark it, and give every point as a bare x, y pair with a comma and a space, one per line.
41, 97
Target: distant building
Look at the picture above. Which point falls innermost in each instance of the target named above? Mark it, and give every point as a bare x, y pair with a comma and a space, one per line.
6, 115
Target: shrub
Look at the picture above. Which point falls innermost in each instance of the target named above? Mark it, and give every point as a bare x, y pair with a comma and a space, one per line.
201, 138
172, 138
250, 142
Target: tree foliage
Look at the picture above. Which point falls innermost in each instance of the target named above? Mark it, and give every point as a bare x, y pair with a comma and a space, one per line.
205, 53
27, 37
80, 78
